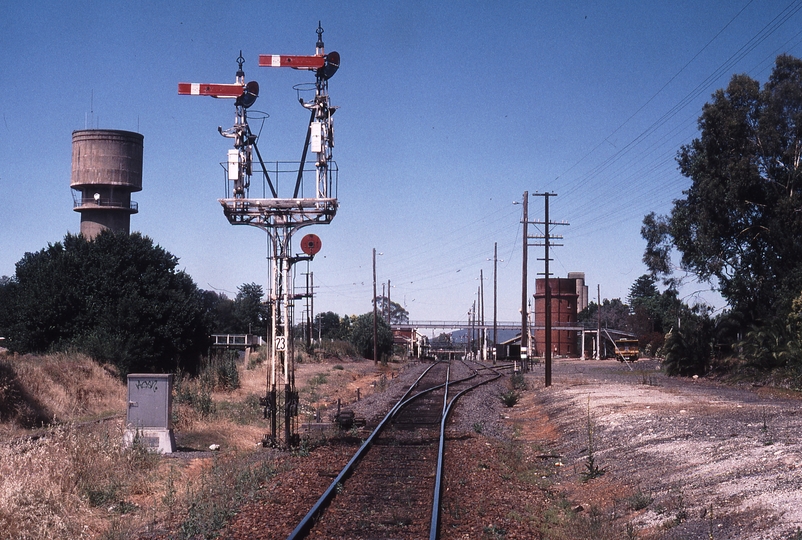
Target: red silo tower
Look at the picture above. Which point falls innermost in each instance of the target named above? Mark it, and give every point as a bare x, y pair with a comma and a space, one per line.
563, 315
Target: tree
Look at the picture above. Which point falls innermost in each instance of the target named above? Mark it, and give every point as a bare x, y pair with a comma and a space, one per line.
739, 225
647, 316
220, 311
250, 313
6, 311
614, 314
397, 312
689, 348
362, 336
118, 298
330, 326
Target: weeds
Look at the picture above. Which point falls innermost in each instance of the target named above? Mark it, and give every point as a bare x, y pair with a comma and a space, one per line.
639, 500
243, 413
218, 493
491, 531
518, 382
647, 379
337, 349
169, 497
197, 393
767, 441
57, 480
509, 399
220, 372
592, 470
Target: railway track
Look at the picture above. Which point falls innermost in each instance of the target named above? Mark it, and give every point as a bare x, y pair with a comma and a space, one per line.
391, 487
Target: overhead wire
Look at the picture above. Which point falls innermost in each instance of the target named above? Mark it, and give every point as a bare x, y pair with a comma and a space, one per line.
422, 266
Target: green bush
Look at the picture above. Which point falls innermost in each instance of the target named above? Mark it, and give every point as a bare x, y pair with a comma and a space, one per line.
518, 382
119, 298
221, 372
194, 392
689, 351
337, 348
509, 399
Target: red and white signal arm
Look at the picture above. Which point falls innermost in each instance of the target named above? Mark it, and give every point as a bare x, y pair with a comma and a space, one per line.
310, 244
214, 90
293, 61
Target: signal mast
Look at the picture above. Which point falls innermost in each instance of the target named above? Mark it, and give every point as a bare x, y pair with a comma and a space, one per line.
280, 216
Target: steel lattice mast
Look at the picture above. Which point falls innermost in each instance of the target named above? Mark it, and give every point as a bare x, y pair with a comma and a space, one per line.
280, 216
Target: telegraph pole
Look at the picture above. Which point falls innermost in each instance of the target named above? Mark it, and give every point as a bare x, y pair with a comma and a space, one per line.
524, 309
482, 332
375, 331
598, 322
547, 277
495, 299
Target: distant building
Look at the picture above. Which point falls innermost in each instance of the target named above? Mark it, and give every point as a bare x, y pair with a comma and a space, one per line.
567, 295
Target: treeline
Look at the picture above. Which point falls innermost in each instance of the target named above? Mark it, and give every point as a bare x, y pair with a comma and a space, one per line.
358, 330
738, 227
122, 300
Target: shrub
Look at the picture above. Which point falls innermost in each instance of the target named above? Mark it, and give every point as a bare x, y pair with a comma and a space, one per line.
220, 371
118, 298
518, 382
689, 351
337, 349
195, 392
509, 399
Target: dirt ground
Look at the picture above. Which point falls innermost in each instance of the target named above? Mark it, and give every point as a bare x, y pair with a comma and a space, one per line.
706, 460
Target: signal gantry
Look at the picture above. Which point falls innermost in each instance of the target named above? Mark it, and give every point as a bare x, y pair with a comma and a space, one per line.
281, 216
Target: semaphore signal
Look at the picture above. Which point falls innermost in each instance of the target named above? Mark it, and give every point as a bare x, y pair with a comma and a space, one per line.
280, 216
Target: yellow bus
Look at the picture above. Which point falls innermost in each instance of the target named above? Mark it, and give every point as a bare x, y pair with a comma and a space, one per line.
626, 349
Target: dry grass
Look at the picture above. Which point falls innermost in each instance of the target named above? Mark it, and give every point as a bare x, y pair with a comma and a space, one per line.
71, 482
64, 475
56, 388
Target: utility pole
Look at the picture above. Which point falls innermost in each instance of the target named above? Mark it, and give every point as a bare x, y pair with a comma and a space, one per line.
472, 322
375, 331
547, 278
389, 304
598, 322
482, 331
524, 294
495, 299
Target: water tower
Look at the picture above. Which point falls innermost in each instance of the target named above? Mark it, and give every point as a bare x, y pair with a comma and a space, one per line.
106, 169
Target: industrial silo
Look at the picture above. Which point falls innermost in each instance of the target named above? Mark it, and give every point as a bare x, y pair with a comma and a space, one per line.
106, 169
563, 316
581, 290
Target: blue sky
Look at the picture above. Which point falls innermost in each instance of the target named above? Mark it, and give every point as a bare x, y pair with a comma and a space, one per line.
449, 111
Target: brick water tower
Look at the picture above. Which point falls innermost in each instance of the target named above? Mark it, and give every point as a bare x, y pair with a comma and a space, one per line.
563, 315
106, 169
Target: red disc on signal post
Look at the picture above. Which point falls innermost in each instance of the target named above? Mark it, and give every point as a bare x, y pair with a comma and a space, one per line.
310, 244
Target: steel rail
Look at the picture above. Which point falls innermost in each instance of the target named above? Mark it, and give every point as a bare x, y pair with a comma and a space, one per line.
422, 393
304, 526
434, 526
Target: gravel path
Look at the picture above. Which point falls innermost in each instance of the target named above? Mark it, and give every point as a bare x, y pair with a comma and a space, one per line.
717, 462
